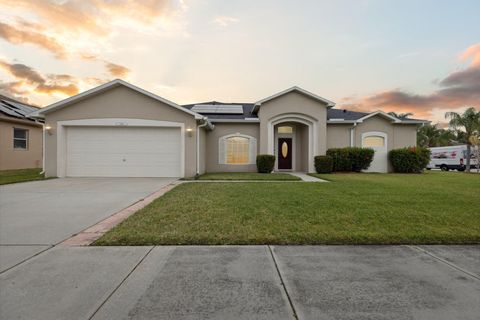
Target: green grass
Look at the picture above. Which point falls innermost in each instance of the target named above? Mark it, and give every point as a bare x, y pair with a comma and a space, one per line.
22, 175
430, 208
249, 176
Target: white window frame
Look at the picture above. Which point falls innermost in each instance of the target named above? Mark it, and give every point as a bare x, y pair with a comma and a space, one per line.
27, 134
222, 149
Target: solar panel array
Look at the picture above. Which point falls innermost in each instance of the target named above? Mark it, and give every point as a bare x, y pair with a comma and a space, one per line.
15, 109
218, 108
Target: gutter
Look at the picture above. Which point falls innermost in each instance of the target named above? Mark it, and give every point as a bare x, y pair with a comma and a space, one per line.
352, 134
206, 125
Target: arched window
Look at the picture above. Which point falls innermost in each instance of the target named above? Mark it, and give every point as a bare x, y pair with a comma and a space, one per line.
373, 141
237, 149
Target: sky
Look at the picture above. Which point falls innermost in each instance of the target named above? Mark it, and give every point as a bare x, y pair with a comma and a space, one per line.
404, 56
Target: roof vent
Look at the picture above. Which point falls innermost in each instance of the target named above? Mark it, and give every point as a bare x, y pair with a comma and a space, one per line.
344, 111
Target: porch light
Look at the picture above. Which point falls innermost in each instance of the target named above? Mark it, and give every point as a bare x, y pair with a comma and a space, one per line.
190, 132
48, 129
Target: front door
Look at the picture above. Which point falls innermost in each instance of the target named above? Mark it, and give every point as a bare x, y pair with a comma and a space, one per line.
284, 153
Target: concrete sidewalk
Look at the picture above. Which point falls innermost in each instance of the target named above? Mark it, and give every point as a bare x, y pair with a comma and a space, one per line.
245, 282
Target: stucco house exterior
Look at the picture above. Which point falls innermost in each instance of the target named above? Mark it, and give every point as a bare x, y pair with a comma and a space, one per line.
20, 136
118, 129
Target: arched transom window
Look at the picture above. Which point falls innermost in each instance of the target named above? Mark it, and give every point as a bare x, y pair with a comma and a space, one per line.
237, 149
373, 141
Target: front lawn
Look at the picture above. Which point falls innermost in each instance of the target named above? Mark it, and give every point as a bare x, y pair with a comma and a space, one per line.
248, 176
22, 175
434, 208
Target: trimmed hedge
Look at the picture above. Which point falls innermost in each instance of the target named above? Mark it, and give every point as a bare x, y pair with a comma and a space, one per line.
265, 163
409, 160
323, 164
351, 158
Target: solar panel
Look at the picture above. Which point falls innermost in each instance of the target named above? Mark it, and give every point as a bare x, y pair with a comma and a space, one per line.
218, 108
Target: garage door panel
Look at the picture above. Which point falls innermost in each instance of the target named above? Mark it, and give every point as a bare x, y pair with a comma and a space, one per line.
123, 152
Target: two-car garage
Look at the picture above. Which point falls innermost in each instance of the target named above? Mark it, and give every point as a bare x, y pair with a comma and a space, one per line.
119, 130
123, 151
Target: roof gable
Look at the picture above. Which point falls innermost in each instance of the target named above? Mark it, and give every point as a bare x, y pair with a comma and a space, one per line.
294, 89
105, 87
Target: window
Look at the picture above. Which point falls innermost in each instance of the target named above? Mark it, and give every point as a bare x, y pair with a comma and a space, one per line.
237, 149
20, 139
373, 141
285, 129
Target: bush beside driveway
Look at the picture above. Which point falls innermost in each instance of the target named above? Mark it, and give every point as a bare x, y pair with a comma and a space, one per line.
431, 208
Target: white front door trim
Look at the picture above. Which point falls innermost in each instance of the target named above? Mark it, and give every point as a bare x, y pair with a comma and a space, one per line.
111, 122
300, 118
383, 156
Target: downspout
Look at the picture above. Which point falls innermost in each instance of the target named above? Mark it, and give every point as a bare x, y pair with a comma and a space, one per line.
198, 144
352, 134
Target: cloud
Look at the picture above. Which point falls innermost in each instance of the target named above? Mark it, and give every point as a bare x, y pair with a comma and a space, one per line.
472, 52
16, 35
117, 70
27, 79
224, 21
458, 89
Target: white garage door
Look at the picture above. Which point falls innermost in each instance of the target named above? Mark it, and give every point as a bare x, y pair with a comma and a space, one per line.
123, 152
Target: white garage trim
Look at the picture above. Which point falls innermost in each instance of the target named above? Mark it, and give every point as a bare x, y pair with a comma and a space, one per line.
111, 122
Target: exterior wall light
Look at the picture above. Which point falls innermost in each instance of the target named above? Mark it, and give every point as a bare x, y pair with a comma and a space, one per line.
48, 129
190, 132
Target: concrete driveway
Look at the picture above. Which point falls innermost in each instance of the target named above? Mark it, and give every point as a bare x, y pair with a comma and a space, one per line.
245, 282
36, 215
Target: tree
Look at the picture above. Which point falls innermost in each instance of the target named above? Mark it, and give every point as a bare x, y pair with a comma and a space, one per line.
430, 135
400, 115
469, 121
475, 141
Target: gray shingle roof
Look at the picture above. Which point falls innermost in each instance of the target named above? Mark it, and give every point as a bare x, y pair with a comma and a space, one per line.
16, 109
248, 112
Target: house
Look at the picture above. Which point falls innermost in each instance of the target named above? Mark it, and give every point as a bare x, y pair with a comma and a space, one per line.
120, 130
20, 136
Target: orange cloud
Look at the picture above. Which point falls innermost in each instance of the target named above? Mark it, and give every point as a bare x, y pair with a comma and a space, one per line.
117, 70
26, 77
19, 36
472, 52
459, 89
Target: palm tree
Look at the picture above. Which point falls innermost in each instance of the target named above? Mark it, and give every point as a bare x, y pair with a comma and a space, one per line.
400, 115
470, 122
429, 135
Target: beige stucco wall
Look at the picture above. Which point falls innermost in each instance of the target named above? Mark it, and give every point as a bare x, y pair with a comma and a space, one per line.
11, 158
119, 102
338, 135
202, 150
404, 135
222, 129
294, 103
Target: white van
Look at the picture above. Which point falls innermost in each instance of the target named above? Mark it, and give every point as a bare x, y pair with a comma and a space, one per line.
451, 158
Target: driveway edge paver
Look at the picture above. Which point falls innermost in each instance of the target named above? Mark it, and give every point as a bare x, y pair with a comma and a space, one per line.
92, 233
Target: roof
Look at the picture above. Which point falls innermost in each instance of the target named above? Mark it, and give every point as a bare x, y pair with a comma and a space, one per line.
15, 109
294, 89
215, 117
108, 86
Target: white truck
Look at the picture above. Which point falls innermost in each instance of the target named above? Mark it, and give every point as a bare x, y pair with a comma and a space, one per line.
451, 158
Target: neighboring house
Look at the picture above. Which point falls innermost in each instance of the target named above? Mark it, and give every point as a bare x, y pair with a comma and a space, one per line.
118, 129
20, 136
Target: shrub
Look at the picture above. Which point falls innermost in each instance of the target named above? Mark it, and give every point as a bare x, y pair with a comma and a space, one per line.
323, 164
351, 158
265, 163
361, 158
409, 160
341, 160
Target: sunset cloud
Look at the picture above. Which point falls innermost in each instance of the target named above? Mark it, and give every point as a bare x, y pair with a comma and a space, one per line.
27, 79
117, 70
17, 35
458, 89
